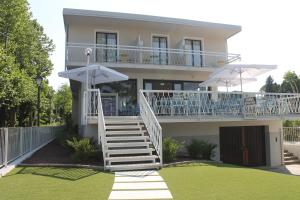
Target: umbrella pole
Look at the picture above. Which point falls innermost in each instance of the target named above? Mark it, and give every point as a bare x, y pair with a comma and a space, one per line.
226, 85
241, 80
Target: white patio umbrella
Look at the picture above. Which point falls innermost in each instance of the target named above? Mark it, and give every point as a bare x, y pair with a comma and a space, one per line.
242, 71
225, 81
95, 73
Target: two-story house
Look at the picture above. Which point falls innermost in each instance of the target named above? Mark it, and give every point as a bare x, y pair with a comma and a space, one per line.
166, 59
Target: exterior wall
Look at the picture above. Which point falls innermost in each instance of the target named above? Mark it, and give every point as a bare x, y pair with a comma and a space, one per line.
186, 131
129, 32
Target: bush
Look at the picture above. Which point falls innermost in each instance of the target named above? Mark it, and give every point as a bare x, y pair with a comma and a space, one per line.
201, 149
83, 149
170, 148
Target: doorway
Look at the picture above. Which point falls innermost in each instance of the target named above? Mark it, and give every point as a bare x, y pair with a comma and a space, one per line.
243, 145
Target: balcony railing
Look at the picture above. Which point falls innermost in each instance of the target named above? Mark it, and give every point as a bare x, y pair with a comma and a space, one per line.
147, 55
223, 105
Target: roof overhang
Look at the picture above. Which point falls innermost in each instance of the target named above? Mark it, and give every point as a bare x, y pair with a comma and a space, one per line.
227, 30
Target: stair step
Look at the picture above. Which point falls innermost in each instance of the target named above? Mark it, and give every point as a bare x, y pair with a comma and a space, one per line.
290, 162
286, 151
140, 186
122, 122
128, 144
124, 127
140, 194
131, 158
290, 158
134, 132
129, 151
127, 138
288, 154
133, 166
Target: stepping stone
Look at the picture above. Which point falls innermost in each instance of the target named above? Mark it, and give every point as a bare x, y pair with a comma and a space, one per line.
137, 173
140, 186
140, 194
122, 179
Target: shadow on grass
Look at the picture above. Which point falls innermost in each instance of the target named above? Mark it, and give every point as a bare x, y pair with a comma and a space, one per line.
71, 174
204, 163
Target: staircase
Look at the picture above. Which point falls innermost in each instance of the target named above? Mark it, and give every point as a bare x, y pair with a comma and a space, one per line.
127, 145
290, 159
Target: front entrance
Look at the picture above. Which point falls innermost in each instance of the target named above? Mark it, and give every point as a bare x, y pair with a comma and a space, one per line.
243, 145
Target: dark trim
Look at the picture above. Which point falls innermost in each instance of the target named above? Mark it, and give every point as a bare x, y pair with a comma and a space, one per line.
159, 46
106, 51
193, 55
172, 82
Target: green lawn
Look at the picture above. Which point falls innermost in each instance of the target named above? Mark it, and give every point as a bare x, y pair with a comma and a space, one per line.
226, 182
43, 183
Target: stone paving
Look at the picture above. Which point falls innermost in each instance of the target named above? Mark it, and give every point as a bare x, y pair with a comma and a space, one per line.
139, 185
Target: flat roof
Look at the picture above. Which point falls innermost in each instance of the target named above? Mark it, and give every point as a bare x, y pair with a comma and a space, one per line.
233, 29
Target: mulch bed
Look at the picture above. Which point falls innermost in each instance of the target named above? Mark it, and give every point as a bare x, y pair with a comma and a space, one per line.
55, 153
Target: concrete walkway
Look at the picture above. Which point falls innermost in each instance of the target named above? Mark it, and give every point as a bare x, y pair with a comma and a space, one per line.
288, 169
139, 185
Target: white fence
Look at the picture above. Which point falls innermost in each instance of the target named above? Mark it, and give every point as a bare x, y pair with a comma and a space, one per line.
16, 142
291, 134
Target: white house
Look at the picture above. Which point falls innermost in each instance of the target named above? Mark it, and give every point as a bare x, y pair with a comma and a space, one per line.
166, 59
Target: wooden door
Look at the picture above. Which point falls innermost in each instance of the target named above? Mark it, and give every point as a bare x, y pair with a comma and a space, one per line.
231, 145
243, 145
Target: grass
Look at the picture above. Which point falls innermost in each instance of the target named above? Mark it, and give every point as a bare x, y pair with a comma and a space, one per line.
35, 183
211, 181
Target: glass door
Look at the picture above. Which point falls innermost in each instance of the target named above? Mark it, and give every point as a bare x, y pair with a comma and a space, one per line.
160, 55
106, 50
195, 57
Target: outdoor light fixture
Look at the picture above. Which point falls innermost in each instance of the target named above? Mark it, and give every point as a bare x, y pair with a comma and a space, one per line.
39, 80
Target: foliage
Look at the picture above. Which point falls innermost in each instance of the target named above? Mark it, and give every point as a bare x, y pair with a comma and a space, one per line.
201, 149
24, 54
291, 123
170, 149
63, 104
270, 85
83, 149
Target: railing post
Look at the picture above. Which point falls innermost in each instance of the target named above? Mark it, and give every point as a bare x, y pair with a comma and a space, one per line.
6, 146
21, 141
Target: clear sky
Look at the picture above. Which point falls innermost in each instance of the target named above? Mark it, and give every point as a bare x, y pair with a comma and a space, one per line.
270, 28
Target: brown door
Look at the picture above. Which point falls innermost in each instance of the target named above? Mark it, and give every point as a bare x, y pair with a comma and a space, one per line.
243, 145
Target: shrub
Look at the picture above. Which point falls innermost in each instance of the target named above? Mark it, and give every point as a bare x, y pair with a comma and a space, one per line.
83, 149
170, 148
200, 148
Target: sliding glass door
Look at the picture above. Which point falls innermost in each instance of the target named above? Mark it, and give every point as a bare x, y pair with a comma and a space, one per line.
195, 58
106, 50
160, 55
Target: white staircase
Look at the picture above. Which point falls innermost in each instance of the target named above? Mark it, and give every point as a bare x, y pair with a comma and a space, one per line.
127, 145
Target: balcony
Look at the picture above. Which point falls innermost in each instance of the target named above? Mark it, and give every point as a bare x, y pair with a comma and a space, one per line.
136, 55
222, 106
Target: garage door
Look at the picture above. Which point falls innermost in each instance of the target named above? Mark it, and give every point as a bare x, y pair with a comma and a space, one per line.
243, 145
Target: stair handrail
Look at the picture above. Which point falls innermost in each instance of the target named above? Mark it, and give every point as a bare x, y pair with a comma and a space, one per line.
152, 125
101, 126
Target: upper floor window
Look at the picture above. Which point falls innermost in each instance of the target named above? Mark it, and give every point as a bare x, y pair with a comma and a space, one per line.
106, 50
160, 45
195, 57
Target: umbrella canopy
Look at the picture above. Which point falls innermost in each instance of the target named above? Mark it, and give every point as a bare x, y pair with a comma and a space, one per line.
95, 74
241, 72
225, 82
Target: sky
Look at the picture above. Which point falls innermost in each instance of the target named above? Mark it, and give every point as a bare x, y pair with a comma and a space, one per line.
270, 28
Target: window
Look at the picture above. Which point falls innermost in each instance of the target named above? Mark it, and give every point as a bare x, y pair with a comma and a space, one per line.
195, 46
126, 94
107, 47
160, 45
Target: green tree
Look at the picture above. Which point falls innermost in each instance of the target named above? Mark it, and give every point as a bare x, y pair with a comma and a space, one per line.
63, 104
24, 54
291, 83
270, 85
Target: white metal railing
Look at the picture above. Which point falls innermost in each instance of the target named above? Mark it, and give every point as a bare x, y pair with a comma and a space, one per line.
148, 55
16, 142
291, 134
152, 125
93, 108
210, 104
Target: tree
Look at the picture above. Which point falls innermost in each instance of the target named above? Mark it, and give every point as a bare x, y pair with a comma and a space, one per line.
291, 83
24, 54
63, 103
270, 85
